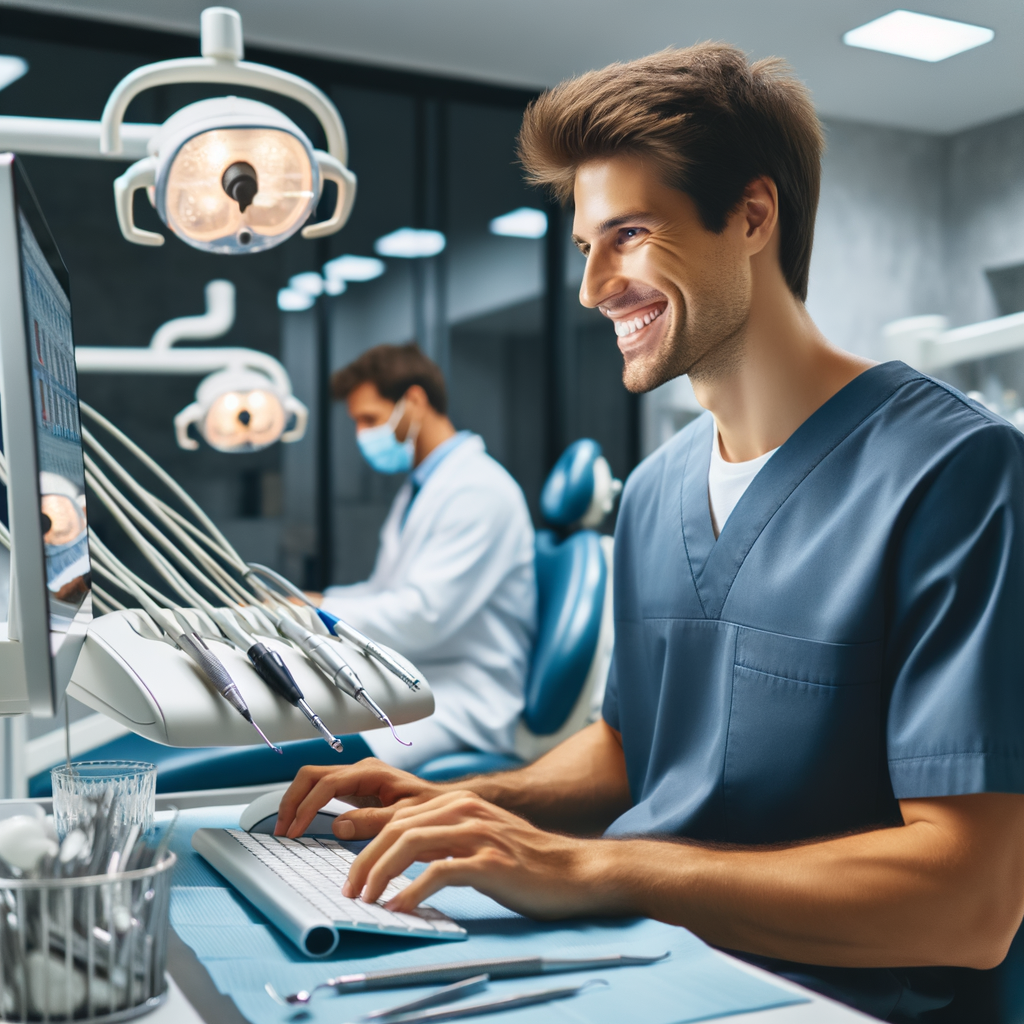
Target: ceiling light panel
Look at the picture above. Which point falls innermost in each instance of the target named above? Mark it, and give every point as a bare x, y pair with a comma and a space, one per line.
11, 69
410, 243
921, 36
309, 283
526, 222
353, 268
289, 300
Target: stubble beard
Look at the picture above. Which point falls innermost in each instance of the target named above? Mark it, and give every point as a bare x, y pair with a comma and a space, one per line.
706, 348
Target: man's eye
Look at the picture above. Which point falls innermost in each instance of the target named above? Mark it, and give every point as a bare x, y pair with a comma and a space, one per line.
630, 234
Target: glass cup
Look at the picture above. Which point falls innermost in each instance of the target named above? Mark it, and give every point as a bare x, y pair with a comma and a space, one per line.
78, 788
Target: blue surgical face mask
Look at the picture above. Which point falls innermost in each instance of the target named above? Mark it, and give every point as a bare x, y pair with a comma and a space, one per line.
382, 450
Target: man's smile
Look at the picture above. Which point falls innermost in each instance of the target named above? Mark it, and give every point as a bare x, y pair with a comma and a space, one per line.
636, 322
634, 327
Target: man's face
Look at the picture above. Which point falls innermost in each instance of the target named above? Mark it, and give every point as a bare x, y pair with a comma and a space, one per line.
367, 407
676, 292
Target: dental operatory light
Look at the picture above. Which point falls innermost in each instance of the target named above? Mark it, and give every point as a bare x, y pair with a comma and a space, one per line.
11, 69
246, 402
237, 410
410, 243
526, 222
921, 36
229, 175
353, 268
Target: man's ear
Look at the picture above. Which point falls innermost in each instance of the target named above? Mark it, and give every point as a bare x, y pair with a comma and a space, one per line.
759, 209
416, 400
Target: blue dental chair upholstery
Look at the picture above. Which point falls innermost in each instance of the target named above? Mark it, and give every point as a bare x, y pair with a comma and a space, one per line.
572, 578
571, 581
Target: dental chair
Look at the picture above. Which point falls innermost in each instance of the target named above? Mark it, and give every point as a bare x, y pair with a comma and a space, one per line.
568, 669
570, 660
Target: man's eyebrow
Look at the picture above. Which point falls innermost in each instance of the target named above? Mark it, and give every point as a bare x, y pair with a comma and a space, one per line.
616, 222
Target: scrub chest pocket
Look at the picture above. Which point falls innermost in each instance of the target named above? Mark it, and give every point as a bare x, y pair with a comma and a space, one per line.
805, 745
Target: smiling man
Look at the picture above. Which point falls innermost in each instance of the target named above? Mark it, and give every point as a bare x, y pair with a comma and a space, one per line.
810, 750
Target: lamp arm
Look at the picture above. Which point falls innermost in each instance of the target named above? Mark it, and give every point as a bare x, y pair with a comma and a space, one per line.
133, 359
221, 72
59, 136
218, 319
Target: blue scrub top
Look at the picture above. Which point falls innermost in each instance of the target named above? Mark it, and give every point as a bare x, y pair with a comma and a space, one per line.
850, 639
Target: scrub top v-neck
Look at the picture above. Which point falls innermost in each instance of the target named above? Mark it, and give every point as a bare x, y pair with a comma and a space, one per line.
849, 638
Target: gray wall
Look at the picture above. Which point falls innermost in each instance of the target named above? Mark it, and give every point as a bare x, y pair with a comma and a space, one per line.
909, 223
878, 249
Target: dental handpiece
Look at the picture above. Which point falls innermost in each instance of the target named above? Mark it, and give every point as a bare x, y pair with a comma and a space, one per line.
339, 627
372, 650
210, 665
271, 668
331, 662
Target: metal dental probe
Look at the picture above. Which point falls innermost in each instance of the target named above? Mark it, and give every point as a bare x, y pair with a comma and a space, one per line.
274, 672
325, 655
339, 627
447, 973
195, 647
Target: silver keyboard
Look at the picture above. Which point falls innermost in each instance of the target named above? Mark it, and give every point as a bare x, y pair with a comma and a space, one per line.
297, 884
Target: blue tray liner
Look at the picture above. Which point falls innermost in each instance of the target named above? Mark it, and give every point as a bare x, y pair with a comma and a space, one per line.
242, 951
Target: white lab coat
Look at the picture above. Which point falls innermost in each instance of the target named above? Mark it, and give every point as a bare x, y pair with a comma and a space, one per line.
454, 590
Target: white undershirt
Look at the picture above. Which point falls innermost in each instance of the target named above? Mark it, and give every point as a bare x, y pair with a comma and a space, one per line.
728, 480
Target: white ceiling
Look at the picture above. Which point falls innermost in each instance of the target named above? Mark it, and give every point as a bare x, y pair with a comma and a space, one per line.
538, 42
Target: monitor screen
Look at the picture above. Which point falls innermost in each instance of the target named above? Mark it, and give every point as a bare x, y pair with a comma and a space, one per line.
57, 427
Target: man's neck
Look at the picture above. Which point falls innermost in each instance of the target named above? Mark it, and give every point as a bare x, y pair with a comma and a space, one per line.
434, 431
780, 371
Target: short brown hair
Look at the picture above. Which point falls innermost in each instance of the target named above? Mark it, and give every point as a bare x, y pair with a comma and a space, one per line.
708, 118
393, 369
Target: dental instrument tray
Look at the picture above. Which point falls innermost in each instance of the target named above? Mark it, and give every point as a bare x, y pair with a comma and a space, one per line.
297, 884
130, 674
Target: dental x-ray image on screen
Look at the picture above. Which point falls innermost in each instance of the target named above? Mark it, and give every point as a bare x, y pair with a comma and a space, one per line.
58, 435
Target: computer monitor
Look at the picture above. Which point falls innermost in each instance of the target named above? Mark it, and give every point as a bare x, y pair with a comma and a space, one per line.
50, 600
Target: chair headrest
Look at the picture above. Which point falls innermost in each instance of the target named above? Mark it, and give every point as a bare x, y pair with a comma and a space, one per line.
581, 490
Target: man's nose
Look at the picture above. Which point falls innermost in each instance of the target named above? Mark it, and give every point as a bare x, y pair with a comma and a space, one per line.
601, 280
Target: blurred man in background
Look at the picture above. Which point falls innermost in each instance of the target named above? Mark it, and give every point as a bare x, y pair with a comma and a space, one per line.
453, 586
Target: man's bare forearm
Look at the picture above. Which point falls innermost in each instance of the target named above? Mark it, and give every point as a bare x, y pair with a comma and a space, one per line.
945, 889
579, 787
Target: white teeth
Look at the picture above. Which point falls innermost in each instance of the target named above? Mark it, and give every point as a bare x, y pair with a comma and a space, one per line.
624, 328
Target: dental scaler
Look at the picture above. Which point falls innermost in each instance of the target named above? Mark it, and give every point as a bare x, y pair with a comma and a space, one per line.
326, 656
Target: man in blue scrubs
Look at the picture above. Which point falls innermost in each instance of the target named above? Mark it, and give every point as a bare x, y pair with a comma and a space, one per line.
812, 745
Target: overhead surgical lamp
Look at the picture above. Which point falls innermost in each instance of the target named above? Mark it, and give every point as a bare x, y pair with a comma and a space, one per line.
239, 410
246, 402
226, 175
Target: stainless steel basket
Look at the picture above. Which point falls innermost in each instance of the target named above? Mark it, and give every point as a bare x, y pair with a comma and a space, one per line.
88, 948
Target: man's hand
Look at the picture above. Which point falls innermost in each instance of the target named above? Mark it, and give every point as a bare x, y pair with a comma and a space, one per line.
580, 786
470, 841
375, 787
